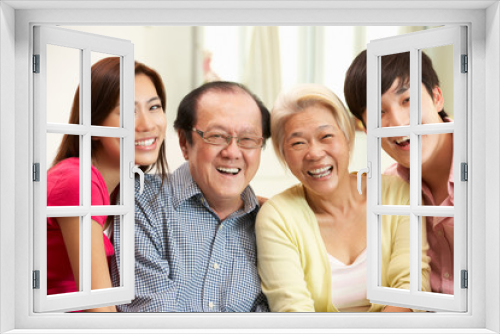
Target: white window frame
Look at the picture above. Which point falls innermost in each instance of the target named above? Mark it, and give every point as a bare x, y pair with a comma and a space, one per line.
414, 43
483, 20
85, 43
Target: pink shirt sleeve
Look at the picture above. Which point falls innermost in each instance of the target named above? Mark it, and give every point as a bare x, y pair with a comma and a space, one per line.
63, 187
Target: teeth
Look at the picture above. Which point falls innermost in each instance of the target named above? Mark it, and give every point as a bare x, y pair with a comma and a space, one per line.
320, 172
228, 170
403, 139
145, 142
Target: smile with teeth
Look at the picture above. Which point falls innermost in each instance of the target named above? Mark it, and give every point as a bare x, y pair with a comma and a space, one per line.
320, 172
146, 142
403, 141
232, 171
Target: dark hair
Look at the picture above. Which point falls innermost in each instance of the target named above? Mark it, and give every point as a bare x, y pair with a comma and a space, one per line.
105, 92
186, 113
394, 66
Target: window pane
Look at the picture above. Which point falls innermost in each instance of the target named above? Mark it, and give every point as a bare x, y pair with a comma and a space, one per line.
395, 90
437, 85
394, 247
436, 162
394, 181
440, 239
63, 78
63, 253
102, 251
105, 170
63, 183
105, 101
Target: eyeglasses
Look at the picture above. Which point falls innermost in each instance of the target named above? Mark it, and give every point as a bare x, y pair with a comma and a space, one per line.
218, 138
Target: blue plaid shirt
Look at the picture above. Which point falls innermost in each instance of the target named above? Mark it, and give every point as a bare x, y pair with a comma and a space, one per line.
186, 258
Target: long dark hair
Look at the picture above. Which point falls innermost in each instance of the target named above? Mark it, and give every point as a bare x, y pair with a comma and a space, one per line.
105, 92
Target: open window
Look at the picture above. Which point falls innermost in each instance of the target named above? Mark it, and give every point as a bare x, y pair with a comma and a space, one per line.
51, 126
419, 131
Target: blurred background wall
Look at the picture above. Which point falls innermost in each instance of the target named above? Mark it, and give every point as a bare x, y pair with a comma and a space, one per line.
266, 59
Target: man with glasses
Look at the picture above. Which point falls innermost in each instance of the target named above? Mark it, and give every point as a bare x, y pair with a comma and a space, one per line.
195, 238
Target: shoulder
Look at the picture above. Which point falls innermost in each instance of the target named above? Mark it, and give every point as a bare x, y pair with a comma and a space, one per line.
394, 190
155, 191
65, 175
286, 206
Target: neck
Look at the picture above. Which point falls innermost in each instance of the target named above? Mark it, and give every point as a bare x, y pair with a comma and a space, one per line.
109, 172
339, 201
436, 172
225, 207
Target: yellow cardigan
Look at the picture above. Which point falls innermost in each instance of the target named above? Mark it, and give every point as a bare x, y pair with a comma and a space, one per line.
292, 257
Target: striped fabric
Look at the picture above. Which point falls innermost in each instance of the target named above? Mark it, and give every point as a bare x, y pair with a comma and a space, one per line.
186, 259
349, 284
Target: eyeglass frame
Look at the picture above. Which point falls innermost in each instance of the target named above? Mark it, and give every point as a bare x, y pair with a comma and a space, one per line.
228, 139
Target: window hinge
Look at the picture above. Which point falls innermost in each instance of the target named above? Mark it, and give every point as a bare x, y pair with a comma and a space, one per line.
36, 279
464, 172
465, 64
465, 279
36, 63
36, 172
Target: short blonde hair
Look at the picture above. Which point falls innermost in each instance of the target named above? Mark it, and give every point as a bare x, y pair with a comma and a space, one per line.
299, 98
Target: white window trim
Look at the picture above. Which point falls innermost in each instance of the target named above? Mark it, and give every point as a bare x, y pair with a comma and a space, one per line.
484, 24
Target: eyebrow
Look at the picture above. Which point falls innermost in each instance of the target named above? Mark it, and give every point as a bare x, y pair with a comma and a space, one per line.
319, 128
402, 89
151, 99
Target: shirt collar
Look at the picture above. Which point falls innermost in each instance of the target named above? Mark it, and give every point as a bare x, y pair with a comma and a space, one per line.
184, 188
404, 173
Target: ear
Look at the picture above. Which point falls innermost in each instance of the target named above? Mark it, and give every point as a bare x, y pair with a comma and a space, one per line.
437, 98
183, 144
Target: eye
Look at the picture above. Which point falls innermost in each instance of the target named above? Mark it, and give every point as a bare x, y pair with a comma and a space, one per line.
327, 136
155, 107
297, 144
407, 100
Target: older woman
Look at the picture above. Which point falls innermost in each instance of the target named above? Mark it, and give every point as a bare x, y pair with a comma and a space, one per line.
311, 239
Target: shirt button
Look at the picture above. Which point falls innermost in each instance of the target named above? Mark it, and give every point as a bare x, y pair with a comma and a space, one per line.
211, 305
221, 225
440, 233
216, 266
446, 275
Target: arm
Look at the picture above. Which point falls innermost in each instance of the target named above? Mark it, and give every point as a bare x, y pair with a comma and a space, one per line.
100, 279
279, 264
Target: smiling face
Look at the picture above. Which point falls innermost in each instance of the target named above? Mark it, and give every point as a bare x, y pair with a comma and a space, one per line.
316, 150
223, 171
150, 126
395, 108
150, 121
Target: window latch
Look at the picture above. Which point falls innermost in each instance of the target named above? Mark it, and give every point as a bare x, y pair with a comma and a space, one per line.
362, 171
135, 169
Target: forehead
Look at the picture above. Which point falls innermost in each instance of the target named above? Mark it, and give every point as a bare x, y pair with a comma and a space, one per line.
227, 105
316, 116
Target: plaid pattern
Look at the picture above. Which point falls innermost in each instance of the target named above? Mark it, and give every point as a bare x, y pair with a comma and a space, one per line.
186, 259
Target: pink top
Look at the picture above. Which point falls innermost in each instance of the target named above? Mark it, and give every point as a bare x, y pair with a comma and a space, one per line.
439, 233
63, 184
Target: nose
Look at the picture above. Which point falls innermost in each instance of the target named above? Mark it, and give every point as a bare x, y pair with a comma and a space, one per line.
143, 121
315, 151
232, 150
396, 116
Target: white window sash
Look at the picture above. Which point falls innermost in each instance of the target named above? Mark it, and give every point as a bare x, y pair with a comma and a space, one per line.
86, 298
414, 43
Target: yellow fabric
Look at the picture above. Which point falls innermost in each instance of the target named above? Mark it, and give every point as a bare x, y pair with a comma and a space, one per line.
292, 258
